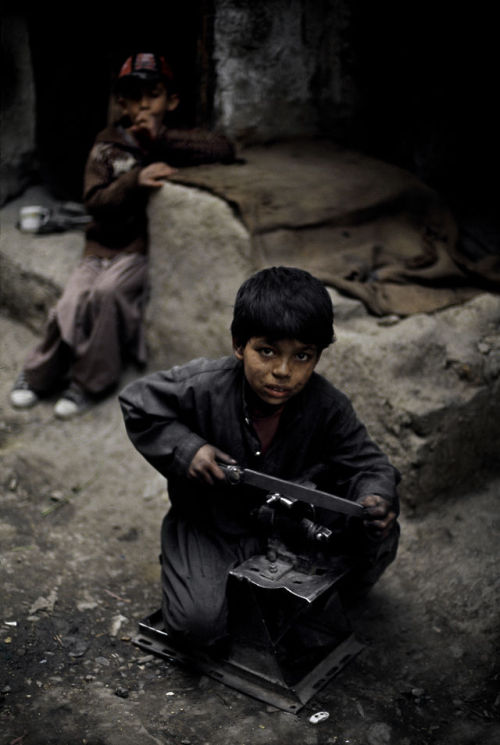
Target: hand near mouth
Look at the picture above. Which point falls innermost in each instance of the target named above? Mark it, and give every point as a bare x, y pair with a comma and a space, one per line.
145, 129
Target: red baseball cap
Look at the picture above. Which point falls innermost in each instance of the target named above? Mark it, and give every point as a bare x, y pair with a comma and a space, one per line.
147, 66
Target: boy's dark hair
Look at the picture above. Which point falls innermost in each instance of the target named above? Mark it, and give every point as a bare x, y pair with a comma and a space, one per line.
143, 71
283, 303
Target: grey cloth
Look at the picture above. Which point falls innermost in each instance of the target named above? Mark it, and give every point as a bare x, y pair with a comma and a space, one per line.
96, 321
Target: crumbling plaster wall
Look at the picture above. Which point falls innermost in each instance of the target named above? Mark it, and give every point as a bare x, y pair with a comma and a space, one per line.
282, 67
17, 120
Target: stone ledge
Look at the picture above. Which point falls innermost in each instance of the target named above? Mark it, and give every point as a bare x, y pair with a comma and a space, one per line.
428, 389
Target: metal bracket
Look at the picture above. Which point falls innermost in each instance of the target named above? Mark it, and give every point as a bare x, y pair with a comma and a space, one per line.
289, 634
263, 686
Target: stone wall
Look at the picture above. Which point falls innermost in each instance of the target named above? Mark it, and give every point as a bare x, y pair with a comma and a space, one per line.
281, 68
428, 389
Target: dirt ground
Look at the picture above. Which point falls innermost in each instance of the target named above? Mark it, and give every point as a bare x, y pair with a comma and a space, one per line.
79, 530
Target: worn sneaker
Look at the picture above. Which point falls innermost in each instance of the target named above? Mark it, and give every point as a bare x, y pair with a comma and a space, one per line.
73, 401
22, 395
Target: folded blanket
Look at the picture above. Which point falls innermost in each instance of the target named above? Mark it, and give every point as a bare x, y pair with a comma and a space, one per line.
367, 228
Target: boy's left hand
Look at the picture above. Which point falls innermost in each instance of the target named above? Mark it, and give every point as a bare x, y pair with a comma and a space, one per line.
380, 516
155, 174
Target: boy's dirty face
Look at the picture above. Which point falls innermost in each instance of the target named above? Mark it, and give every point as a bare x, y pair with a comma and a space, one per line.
146, 106
277, 370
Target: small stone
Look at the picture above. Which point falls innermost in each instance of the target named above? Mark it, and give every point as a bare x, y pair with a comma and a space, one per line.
131, 535
46, 604
388, 320
116, 624
122, 692
379, 734
86, 605
77, 647
360, 709
146, 658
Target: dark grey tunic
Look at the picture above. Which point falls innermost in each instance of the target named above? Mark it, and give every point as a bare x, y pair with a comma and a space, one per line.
169, 415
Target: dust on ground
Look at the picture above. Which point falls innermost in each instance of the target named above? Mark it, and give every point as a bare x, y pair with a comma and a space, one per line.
79, 530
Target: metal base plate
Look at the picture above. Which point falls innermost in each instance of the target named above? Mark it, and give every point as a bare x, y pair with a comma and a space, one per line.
245, 676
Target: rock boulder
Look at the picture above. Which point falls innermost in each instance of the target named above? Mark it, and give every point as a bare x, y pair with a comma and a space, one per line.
428, 389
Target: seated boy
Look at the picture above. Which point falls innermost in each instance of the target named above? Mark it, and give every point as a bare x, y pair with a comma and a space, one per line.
263, 408
97, 322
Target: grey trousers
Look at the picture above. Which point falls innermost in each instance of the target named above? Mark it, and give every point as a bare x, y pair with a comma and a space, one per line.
97, 320
196, 563
195, 567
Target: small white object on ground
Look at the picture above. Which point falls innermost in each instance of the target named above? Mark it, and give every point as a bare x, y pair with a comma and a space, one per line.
320, 716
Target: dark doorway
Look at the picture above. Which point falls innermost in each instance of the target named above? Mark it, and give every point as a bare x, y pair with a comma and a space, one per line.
76, 57
426, 77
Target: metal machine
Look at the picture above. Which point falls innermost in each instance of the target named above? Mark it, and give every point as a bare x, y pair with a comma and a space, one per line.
289, 632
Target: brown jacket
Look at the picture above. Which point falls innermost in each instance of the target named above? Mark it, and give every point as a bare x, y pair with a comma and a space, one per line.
112, 194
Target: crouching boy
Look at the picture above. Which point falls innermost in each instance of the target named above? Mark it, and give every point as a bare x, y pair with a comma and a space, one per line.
264, 408
97, 323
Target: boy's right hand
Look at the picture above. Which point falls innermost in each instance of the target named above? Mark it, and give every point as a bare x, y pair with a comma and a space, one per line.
155, 174
204, 466
380, 516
